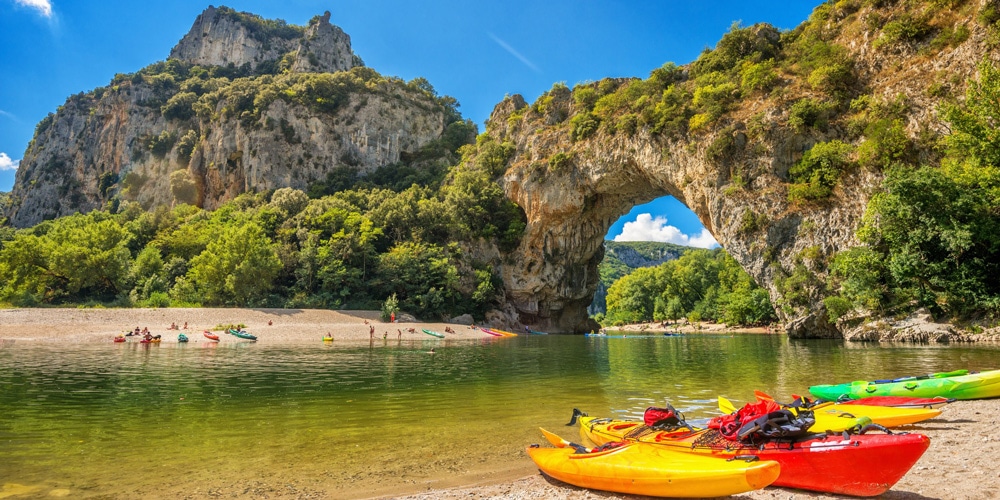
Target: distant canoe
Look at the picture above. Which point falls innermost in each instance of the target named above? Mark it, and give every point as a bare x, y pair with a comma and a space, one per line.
533, 332
433, 333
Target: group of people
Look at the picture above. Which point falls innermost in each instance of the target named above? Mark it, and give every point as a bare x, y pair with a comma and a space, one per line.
144, 333
173, 326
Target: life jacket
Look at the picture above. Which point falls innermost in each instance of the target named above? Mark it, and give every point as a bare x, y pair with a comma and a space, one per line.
762, 421
663, 418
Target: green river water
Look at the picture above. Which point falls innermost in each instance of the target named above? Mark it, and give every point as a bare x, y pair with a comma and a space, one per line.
350, 421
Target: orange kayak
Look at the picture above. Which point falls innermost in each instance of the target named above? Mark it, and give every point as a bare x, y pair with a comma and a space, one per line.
641, 469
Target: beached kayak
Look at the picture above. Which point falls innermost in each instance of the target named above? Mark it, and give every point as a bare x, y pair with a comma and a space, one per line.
959, 384
899, 402
490, 332
501, 332
242, 335
211, 336
640, 469
857, 465
837, 417
433, 333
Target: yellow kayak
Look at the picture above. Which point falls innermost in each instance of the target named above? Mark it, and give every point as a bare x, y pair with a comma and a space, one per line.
642, 469
840, 417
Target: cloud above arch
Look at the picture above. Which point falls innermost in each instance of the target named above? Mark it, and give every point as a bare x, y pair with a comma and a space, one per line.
645, 227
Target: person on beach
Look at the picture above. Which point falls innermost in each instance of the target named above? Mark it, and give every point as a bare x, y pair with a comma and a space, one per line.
392, 317
399, 334
185, 325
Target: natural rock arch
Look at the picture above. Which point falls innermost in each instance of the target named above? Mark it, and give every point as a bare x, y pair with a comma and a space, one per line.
574, 177
733, 179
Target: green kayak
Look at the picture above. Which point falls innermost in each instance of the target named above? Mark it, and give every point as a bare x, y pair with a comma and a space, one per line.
433, 333
959, 384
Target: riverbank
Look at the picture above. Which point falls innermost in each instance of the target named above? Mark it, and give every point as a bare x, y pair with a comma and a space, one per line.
692, 328
271, 326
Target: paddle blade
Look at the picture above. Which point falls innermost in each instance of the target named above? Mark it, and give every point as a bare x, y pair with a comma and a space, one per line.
554, 439
762, 396
726, 406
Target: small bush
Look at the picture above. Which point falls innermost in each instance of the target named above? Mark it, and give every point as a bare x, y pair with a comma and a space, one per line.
583, 125
560, 162
837, 306
757, 76
815, 176
903, 30
810, 113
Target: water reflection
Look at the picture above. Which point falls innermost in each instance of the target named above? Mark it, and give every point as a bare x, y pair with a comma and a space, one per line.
351, 418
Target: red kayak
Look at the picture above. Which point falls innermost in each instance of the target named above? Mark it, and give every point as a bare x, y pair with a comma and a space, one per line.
899, 402
857, 465
491, 332
211, 336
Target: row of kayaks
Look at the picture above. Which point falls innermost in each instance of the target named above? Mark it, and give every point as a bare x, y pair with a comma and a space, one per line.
489, 331
840, 447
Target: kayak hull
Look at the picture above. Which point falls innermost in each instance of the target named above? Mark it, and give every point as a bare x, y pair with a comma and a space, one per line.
433, 333
861, 465
980, 385
640, 469
211, 336
899, 402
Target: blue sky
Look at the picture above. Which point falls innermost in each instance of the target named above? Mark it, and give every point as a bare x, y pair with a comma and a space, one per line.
475, 51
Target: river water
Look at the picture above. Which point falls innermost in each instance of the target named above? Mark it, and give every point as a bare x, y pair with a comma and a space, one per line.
359, 420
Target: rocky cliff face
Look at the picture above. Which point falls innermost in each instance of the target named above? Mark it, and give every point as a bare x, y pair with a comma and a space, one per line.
575, 177
176, 132
223, 37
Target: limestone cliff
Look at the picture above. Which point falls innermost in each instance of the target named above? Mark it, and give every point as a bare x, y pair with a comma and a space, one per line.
707, 136
211, 122
223, 37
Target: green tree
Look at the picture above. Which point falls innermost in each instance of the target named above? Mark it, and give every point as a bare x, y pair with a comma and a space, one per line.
238, 268
422, 276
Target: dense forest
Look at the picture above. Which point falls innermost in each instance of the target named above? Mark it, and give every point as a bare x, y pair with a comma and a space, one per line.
621, 258
701, 285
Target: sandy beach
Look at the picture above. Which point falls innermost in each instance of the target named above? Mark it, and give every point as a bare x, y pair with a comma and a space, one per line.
960, 464
271, 326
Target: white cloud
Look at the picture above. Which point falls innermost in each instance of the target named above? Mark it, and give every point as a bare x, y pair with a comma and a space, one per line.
43, 6
7, 164
647, 228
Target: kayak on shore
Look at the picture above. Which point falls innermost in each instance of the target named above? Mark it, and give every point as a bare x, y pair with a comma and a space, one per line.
641, 469
958, 384
433, 333
242, 334
859, 465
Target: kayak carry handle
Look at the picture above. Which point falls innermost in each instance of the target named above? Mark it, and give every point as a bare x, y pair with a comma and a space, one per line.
745, 458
